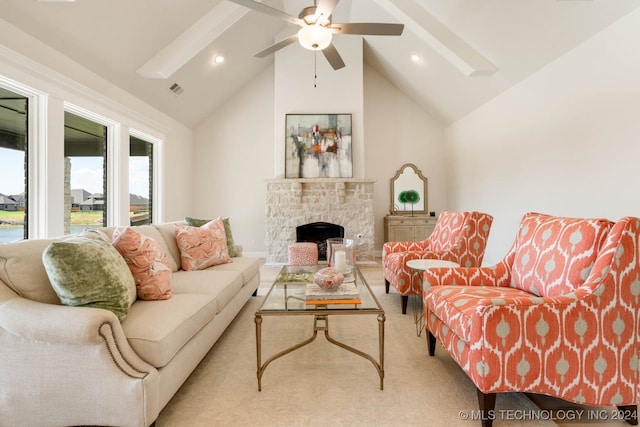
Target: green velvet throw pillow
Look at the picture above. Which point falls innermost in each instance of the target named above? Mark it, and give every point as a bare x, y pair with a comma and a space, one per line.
86, 270
231, 246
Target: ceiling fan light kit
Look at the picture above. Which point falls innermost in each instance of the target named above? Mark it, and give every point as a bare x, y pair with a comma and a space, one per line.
314, 37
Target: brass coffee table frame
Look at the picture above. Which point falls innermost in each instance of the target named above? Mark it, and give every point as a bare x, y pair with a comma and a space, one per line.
294, 305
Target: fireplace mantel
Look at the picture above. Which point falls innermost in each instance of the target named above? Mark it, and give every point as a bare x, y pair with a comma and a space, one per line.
344, 201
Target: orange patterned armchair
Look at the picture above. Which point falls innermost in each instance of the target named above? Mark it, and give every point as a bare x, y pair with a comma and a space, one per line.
558, 316
458, 236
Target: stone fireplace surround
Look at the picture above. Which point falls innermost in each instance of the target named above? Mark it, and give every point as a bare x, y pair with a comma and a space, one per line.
344, 201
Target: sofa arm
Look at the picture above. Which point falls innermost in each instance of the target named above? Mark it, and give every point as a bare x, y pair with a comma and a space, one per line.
76, 363
26, 321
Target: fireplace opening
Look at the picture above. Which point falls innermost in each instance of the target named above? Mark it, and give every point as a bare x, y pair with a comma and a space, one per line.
319, 232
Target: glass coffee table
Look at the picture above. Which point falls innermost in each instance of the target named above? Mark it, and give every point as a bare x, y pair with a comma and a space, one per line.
288, 296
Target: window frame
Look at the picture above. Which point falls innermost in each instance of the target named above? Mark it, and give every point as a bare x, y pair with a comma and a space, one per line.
155, 143
113, 167
155, 192
36, 153
50, 94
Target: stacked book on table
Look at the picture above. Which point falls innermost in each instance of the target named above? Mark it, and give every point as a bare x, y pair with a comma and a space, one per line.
347, 293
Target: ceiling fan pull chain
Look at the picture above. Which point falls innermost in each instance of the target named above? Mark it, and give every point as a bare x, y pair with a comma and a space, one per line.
315, 67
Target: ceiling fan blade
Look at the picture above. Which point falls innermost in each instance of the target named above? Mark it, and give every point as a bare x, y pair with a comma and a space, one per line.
326, 7
333, 57
274, 47
262, 8
368, 28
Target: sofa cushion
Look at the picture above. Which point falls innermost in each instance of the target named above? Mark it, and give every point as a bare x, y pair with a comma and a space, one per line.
21, 268
224, 285
85, 270
157, 330
464, 307
202, 247
231, 246
557, 252
147, 261
247, 266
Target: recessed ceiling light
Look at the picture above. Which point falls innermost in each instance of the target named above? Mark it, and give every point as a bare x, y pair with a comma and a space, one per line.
218, 59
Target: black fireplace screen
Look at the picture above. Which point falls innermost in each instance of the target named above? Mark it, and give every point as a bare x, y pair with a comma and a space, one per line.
319, 232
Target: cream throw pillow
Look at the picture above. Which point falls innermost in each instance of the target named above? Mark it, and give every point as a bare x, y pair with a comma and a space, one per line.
85, 270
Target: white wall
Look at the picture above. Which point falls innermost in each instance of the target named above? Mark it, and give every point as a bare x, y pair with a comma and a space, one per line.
233, 155
235, 150
398, 132
27, 61
565, 141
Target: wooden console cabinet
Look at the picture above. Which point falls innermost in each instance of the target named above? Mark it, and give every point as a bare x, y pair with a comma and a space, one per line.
401, 228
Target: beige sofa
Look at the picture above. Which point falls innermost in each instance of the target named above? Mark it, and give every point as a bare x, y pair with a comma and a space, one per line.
64, 366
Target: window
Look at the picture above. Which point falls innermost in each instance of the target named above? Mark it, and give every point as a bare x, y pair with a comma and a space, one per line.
140, 181
85, 182
13, 166
63, 167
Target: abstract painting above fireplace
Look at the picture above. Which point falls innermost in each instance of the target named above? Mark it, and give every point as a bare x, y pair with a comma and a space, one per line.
318, 146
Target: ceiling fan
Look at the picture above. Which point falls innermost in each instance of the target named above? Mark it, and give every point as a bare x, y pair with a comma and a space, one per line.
316, 29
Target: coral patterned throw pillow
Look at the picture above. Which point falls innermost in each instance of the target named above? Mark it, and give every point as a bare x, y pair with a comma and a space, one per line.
202, 247
147, 261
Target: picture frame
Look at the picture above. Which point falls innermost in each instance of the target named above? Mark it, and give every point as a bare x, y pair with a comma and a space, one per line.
318, 146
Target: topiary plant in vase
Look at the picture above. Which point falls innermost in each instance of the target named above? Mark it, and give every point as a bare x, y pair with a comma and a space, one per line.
409, 196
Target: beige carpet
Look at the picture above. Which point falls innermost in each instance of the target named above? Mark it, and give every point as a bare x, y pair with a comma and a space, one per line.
322, 384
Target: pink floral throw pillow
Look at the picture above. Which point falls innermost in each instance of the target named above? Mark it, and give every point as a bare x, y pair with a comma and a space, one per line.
202, 247
147, 261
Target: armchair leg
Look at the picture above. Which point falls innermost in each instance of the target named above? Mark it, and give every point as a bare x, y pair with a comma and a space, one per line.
405, 300
629, 413
432, 344
386, 286
487, 407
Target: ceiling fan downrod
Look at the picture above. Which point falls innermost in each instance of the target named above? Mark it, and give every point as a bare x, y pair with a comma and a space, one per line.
315, 68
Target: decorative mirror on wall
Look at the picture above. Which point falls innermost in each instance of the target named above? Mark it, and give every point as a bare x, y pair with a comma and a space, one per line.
408, 191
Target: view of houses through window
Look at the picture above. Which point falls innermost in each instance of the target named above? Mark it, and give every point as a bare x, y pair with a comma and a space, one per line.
13, 166
85, 152
85, 172
140, 181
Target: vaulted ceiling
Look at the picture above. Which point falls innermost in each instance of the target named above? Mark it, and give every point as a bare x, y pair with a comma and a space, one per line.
468, 51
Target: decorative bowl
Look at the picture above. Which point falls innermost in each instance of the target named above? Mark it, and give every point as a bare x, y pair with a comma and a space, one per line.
328, 279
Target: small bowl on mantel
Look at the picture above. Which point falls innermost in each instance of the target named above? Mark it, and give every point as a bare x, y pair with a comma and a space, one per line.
329, 279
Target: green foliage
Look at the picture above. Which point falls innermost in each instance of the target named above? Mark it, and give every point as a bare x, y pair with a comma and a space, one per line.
77, 218
11, 216
409, 196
